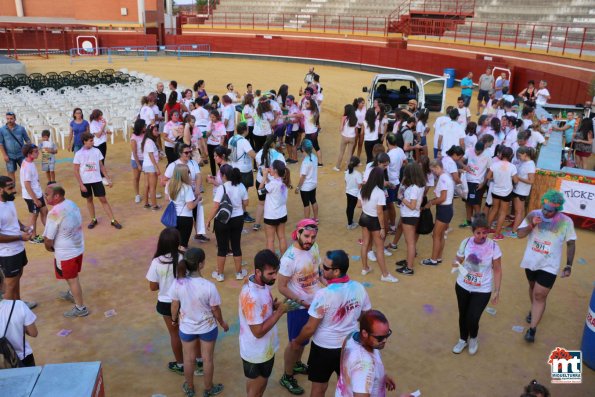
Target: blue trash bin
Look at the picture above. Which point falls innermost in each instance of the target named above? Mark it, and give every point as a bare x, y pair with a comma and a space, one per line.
588, 344
449, 73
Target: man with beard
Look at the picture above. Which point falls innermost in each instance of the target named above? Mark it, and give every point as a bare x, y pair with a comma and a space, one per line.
12, 139
13, 235
333, 315
362, 371
299, 280
259, 313
547, 230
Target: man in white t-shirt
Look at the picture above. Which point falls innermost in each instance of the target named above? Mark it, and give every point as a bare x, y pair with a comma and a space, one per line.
231, 93
439, 124
451, 134
543, 95
228, 116
13, 235
64, 237
362, 371
259, 314
464, 113
299, 279
241, 158
547, 230
31, 188
334, 314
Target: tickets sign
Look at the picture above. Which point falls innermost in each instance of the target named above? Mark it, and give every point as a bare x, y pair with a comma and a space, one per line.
580, 198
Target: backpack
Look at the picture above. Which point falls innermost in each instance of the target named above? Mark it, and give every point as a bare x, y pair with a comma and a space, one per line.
233, 144
170, 216
225, 208
8, 355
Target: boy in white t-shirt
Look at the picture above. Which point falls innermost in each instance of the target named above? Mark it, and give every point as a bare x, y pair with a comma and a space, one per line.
48, 156
31, 188
88, 168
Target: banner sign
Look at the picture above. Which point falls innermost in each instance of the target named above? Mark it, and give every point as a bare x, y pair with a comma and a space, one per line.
580, 198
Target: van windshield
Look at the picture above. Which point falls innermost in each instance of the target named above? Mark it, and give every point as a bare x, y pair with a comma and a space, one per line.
395, 93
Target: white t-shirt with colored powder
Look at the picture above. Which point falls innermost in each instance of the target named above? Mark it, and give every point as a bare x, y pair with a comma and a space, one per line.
64, 226
197, 297
28, 173
302, 268
161, 272
478, 263
89, 160
502, 173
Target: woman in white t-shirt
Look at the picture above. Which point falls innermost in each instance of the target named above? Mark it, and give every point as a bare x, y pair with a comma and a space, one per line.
136, 156
275, 204
179, 189
480, 273
525, 179
193, 137
264, 159
151, 166
348, 126
410, 198
353, 184
146, 111
98, 127
372, 199
477, 163
503, 174
264, 120
422, 129
171, 132
308, 182
196, 308
161, 275
360, 113
312, 126
371, 133
444, 191
230, 233
215, 137
536, 137
188, 102
470, 136
22, 321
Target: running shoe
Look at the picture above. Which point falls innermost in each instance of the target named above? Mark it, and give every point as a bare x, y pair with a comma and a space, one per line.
300, 368
387, 252
156, 208
199, 371
217, 276
498, 237
389, 278
402, 263
241, 275
473, 345
459, 347
248, 218
147, 206
406, 271
176, 368
290, 383
352, 226
213, 391
92, 224
188, 392
372, 256
393, 246
137, 198
202, 238
256, 227
116, 224
366, 271
37, 240
530, 335
336, 169
158, 195
429, 262
76, 312
465, 224
66, 296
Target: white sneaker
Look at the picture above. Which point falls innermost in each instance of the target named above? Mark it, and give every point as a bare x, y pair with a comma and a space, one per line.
241, 275
473, 345
137, 198
158, 195
217, 276
371, 256
336, 169
366, 271
387, 252
389, 278
459, 347
352, 226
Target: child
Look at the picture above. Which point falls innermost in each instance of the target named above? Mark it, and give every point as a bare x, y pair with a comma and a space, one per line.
48, 156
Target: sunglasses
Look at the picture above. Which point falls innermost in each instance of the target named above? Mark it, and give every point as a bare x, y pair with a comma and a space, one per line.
10, 113
380, 338
326, 268
187, 152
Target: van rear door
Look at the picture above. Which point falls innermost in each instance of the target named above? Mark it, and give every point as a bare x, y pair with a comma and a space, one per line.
434, 94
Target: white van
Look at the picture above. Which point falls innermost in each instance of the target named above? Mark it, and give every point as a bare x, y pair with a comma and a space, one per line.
395, 91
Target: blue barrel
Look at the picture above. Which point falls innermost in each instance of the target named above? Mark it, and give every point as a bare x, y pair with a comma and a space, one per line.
449, 73
588, 344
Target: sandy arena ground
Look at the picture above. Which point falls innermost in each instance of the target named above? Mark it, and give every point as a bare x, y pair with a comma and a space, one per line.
134, 346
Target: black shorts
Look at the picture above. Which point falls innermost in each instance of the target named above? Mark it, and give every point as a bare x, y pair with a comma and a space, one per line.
253, 371
308, 197
291, 138
164, 308
263, 196
369, 222
444, 213
474, 196
94, 189
247, 179
314, 139
322, 363
410, 220
506, 199
483, 95
519, 196
12, 266
275, 222
541, 277
33, 209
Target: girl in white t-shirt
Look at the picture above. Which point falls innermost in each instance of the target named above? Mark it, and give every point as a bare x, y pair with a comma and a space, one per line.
444, 191
308, 182
525, 180
146, 111
136, 156
504, 175
264, 120
372, 199
98, 127
312, 126
348, 126
410, 197
480, 273
151, 166
196, 307
477, 163
171, 132
193, 137
215, 136
275, 185
179, 189
161, 275
371, 133
360, 113
353, 184
470, 136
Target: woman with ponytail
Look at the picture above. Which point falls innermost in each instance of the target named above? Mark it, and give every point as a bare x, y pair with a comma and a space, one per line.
353, 184
525, 179
308, 182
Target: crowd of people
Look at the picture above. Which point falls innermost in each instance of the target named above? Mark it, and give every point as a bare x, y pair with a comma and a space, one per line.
489, 163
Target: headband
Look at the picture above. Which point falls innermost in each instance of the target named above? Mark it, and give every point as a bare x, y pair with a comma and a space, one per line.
304, 223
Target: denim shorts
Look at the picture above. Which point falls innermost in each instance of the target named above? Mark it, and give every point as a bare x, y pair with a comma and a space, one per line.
207, 336
12, 164
134, 166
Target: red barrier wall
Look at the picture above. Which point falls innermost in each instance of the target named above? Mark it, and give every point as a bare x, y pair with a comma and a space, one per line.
67, 40
563, 88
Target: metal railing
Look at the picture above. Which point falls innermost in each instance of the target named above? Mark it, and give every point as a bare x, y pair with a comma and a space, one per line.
561, 39
450, 7
179, 51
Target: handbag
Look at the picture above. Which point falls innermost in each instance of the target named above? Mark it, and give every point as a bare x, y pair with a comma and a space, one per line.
8, 354
170, 216
426, 220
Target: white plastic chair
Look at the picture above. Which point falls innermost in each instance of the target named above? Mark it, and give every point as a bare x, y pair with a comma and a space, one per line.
120, 124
